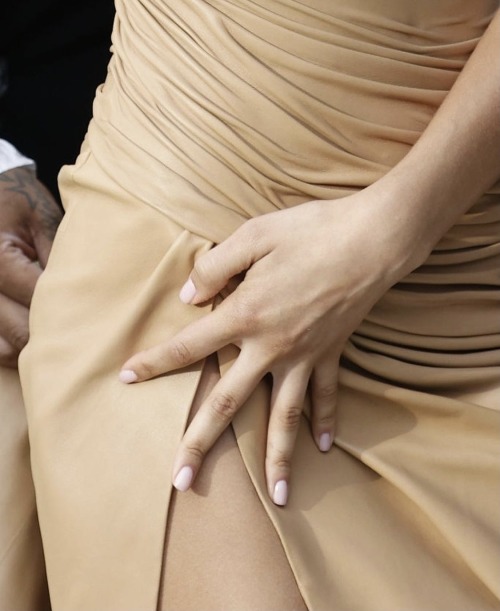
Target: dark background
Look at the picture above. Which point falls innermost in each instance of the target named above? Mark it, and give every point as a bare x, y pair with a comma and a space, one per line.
53, 54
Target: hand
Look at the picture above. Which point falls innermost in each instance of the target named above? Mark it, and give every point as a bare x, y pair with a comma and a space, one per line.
29, 217
312, 273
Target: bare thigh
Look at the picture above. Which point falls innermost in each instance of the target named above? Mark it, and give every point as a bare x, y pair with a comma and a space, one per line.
222, 552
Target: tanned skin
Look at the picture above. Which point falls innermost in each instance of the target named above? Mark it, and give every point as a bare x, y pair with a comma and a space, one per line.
29, 217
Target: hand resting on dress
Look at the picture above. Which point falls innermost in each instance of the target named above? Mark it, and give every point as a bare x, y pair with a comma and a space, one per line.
29, 217
311, 274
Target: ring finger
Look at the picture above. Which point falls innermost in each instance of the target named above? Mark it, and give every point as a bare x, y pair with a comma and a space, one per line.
287, 402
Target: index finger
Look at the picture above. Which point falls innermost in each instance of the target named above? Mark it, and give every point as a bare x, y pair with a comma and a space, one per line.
195, 342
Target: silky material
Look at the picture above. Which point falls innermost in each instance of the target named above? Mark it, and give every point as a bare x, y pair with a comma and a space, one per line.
214, 112
23, 583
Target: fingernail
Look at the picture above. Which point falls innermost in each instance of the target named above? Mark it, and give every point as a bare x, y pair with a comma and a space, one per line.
183, 480
127, 376
188, 291
280, 495
325, 442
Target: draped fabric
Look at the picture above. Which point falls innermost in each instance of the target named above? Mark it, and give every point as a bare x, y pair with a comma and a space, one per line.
237, 108
214, 112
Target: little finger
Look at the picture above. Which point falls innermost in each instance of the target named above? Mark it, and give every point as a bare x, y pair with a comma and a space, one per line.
196, 341
324, 381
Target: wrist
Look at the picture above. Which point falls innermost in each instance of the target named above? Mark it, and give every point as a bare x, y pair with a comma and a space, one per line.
391, 218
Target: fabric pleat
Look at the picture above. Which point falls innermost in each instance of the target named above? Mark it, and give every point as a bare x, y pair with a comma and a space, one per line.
214, 112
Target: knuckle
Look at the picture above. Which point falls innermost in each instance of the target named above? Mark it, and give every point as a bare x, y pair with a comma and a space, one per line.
326, 392
180, 353
289, 419
19, 336
324, 422
8, 357
202, 268
195, 452
285, 345
250, 230
246, 315
281, 462
146, 368
224, 406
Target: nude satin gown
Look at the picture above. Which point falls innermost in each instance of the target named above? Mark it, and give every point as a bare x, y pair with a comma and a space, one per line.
213, 112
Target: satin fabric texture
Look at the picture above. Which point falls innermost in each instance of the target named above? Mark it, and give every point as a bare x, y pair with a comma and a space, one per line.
214, 112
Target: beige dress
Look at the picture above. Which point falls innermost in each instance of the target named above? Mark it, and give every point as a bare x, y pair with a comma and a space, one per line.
213, 112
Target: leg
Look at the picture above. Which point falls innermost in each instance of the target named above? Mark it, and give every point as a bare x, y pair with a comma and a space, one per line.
23, 585
222, 551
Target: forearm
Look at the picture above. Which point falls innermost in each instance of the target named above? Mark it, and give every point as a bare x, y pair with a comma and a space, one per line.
454, 162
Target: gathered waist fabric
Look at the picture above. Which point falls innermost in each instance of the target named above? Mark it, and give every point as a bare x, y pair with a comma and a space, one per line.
228, 109
214, 112
219, 111
408, 495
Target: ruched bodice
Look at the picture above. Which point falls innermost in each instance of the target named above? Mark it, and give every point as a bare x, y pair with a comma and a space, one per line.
230, 109
223, 110
214, 112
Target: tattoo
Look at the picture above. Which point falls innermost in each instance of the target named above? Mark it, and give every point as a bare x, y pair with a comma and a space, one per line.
20, 180
23, 182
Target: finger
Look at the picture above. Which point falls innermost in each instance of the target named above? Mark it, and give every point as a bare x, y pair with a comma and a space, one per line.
41, 214
13, 323
46, 220
8, 354
324, 382
18, 273
213, 270
213, 417
196, 341
286, 411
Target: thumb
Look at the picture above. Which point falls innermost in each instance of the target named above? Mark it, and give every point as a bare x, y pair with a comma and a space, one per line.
213, 270
18, 271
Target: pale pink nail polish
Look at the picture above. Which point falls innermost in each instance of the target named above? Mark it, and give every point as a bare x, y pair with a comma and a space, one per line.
325, 442
188, 292
183, 479
127, 376
280, 495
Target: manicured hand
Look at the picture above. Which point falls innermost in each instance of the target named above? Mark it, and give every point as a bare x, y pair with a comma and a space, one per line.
29, 217
311, 274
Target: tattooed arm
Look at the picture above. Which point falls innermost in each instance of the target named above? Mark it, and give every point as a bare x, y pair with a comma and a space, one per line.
29, 217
